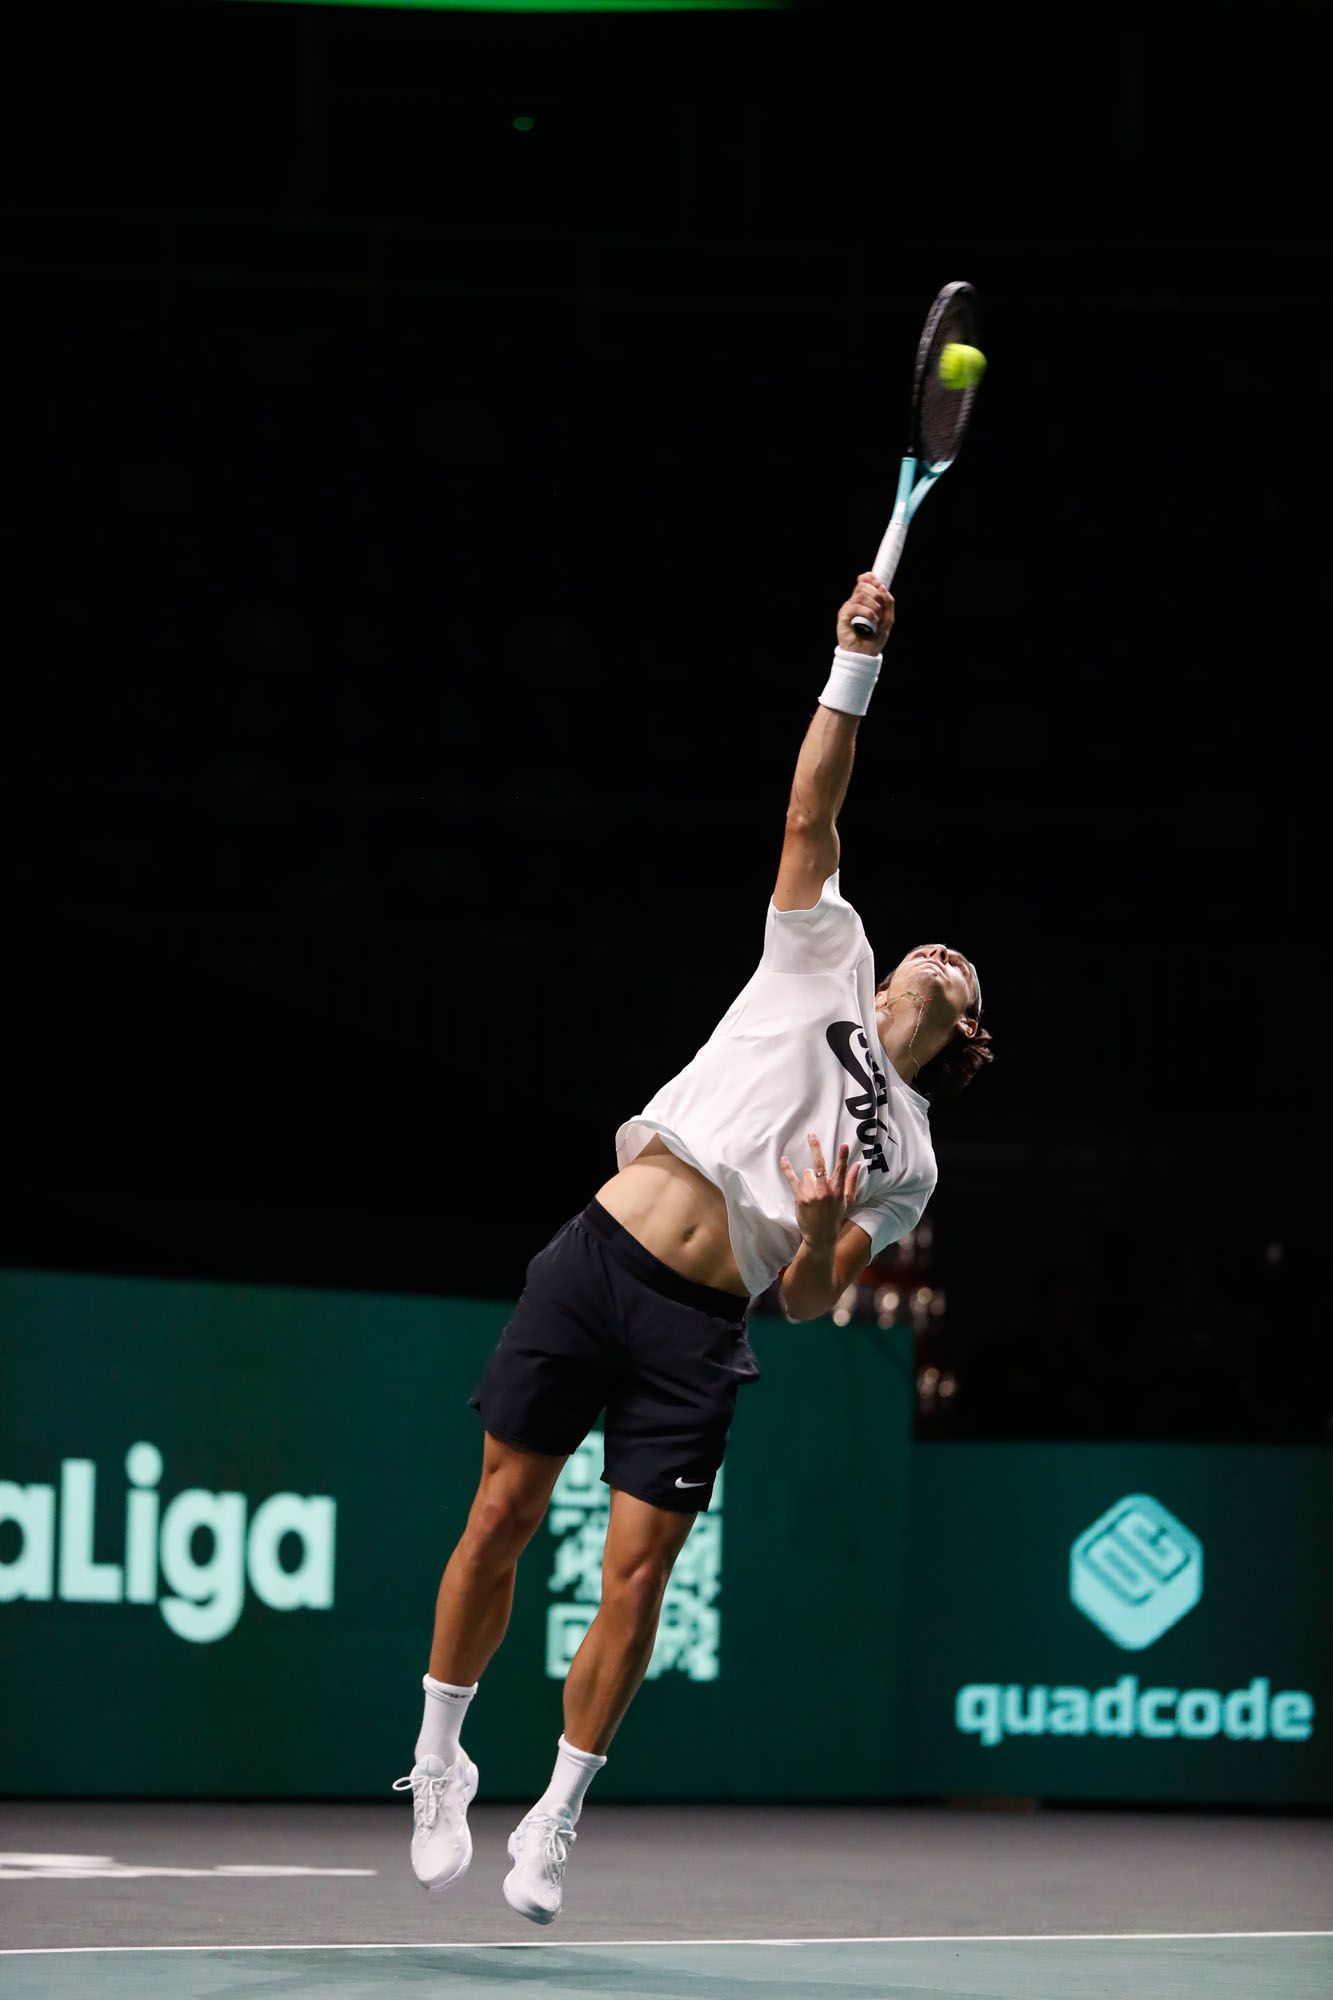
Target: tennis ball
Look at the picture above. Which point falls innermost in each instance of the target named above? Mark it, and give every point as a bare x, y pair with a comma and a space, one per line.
961, 367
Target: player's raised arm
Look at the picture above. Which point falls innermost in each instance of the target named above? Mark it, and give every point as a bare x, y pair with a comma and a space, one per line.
810, 847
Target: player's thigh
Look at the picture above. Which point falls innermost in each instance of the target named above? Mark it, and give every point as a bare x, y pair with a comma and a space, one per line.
642, 1543
513, 1492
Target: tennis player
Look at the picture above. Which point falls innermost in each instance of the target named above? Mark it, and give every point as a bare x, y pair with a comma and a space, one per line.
638, 1305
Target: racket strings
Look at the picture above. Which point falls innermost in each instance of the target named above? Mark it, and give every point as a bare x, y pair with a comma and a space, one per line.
942, 413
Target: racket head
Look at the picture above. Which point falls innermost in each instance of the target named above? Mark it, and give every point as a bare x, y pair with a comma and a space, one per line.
939, 415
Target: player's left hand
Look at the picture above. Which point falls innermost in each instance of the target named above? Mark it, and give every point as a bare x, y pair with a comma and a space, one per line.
822, 1198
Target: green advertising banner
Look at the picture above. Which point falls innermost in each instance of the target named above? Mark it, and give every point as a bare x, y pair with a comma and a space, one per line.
224, 1512
1146, 1622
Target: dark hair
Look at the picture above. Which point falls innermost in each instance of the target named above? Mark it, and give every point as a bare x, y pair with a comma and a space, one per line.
962, 1058
948, 1074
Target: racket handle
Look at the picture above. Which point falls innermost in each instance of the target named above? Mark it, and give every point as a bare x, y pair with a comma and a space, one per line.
884, 566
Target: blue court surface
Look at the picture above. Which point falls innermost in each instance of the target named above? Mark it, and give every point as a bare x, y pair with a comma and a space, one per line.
118, 1901
1221, 1964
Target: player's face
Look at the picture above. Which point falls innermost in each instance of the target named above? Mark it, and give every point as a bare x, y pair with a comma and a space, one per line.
939, 975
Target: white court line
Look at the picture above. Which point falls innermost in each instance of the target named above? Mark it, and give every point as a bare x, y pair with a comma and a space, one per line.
683, 1944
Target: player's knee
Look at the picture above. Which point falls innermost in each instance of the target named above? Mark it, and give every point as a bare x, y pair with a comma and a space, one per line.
501, 1524
635, 1592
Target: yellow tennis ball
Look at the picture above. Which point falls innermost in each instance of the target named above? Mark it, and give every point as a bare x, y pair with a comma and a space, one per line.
961, 367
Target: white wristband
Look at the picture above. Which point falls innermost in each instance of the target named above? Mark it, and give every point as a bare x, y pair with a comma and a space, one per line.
851, 681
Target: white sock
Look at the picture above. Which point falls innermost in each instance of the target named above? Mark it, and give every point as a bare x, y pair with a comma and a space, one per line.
574, 1772
446, 1705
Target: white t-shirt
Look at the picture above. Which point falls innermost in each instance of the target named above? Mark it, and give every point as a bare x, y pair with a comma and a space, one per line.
797, 1052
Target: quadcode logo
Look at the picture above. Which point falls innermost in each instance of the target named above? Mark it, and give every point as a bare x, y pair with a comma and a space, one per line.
1136, 1571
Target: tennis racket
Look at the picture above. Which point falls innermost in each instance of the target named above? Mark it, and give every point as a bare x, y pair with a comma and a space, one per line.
938, 420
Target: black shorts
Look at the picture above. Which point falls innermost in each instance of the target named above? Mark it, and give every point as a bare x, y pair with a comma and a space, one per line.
604, 1325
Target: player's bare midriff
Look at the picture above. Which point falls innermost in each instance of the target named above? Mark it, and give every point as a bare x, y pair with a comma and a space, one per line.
675, 1212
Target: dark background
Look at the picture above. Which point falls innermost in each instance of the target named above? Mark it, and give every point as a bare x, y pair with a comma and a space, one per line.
426, 541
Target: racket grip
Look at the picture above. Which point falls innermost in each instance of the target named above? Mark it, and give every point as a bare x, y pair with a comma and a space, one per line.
884, 566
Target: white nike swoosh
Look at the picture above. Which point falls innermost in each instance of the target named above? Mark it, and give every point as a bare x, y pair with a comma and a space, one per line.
691, 1482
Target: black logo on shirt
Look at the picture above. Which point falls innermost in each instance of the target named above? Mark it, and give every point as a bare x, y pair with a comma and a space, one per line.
871, 1130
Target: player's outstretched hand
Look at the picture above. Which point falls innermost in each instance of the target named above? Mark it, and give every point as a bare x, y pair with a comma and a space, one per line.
822, 1199
872, 600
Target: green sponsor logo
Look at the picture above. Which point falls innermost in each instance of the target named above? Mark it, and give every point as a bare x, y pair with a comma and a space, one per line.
1136, 1571
1251, 1714
689, 1630
204, 1588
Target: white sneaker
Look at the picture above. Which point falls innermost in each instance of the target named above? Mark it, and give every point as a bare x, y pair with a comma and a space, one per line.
539, 1848
441, 1843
